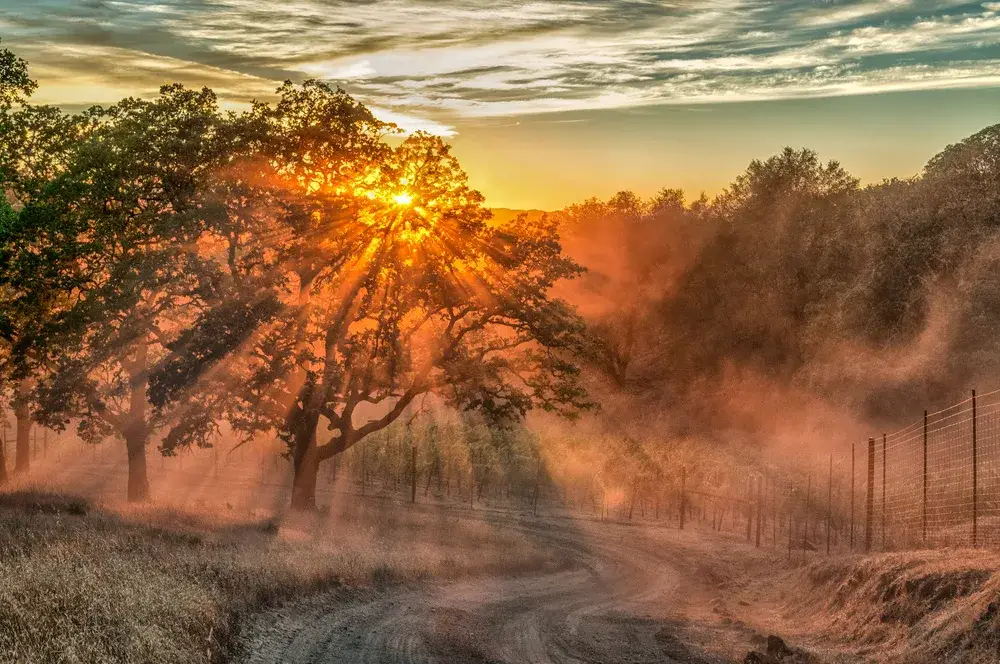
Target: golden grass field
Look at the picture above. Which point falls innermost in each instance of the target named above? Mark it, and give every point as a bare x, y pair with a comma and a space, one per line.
85, 583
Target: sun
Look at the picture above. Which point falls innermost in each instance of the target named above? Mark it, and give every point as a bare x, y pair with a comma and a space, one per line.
403, 199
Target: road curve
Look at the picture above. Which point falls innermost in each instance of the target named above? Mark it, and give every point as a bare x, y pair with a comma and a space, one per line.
628, 597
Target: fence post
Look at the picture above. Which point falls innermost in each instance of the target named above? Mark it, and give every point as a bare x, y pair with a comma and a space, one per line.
413, 470
829, 506
791, 513
870, 507
749, 503
924, 513
884, 545
683, 483
760, 508
852, 496
975, 475
805, 535
774, 513
534, 495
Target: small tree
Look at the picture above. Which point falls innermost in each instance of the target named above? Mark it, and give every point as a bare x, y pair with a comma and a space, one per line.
35, 142
375, 278
107, 240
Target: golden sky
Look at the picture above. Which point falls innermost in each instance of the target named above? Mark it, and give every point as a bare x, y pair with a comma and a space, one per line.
548, 103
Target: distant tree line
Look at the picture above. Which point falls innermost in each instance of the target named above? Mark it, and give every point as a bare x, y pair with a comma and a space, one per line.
868, 298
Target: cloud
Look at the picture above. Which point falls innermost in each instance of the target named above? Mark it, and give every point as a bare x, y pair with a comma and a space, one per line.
411, 123
428, 63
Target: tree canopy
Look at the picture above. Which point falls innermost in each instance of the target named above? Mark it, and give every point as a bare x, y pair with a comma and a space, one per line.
271, 269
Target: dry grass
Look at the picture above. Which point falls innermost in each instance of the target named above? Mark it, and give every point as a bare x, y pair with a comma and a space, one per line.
83, 584
918, 607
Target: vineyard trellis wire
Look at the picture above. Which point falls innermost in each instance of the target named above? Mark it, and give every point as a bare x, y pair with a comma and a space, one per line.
935, 482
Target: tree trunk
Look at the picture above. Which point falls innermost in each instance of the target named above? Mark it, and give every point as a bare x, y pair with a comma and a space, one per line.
305, 463
138, 480
137, 429
304, 483
306, 460
22, 452
3, 451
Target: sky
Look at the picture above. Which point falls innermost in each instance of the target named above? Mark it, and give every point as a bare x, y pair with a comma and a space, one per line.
548, 103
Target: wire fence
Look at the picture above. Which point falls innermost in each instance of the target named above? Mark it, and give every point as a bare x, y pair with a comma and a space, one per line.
932, 483
935, 482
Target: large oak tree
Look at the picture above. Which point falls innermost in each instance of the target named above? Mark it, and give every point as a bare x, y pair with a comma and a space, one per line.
364, 276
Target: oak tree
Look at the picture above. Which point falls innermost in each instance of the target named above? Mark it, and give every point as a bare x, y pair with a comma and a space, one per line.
369, 275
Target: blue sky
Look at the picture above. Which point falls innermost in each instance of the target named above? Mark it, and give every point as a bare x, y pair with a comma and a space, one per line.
479, 71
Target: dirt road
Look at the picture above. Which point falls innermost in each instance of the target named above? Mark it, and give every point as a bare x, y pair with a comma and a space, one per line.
631, 594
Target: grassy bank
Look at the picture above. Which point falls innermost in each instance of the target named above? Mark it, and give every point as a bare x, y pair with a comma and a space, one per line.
918, 607
84, 583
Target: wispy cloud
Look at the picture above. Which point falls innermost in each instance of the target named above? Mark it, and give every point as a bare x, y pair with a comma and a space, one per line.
428, 63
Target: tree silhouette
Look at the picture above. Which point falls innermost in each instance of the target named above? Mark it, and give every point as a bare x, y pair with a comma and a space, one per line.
107, 238
374, 278
34, 144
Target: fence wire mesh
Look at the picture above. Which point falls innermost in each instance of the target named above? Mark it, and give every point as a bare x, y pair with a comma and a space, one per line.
935, 482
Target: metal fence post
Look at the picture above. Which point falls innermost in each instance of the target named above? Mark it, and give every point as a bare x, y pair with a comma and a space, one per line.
870, 508
805, 535
829, 506
975, 475
413, 470
683, 483
760, 509
924, 517
884, 544
364, 473
791, 504
774, 512
852, 496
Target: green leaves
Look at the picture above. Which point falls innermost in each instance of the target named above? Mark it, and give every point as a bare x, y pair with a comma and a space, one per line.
198, 349
15, 83
273, 268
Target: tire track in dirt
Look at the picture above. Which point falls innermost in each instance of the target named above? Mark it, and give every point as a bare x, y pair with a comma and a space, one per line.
625, 598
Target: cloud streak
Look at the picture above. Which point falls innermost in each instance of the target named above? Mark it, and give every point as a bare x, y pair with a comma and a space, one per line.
432, 63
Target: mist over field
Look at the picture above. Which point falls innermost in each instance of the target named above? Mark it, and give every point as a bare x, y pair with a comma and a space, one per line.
797, 300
